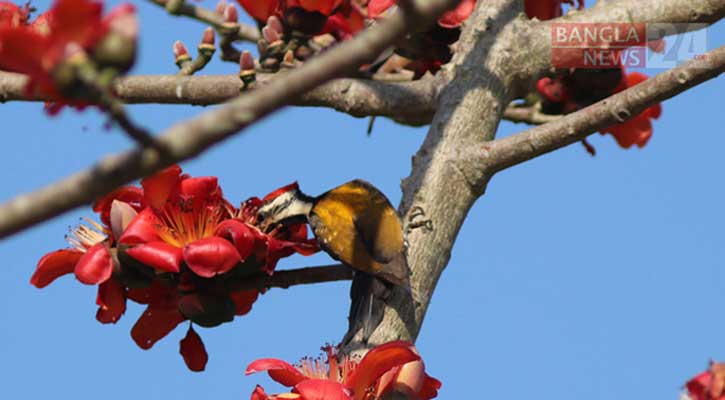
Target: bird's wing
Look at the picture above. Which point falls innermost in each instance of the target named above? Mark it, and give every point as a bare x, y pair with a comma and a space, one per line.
380, 231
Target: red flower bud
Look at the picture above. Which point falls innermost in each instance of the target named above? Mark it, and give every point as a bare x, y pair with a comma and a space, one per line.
231, 15
208, 37
179, 49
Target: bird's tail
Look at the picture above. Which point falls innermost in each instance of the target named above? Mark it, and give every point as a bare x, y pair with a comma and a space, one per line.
368, 295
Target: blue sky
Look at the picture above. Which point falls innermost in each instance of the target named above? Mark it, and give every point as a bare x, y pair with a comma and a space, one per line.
573, 277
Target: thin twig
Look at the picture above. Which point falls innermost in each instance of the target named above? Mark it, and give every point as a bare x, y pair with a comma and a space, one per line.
246, 33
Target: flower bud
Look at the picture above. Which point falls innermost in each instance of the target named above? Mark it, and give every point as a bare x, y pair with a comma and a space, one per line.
181, 54
231, 15
121, 215
220, 7
117, 48
275, 23
206, 47
247, 70
288, 61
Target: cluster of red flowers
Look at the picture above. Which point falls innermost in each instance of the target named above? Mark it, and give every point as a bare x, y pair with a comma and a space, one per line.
572, 90
394, 366
177, 246
69, 34
342, 18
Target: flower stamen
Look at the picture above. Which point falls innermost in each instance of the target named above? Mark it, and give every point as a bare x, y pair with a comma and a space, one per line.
83, 236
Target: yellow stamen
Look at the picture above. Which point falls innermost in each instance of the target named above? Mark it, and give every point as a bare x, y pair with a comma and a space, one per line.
83, 237
182, 227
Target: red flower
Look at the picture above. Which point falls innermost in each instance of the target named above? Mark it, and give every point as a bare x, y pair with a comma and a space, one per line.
569, 92
638, 130
709, 385
69, 29
179, 225
345, 23
548, 9
261, 9
324, 7
91, 260
391, 366
173, 236
451, 19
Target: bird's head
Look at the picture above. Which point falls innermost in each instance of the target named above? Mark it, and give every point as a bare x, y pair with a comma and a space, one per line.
286, 205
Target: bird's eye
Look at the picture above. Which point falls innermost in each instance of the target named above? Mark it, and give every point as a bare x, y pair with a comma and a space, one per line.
260, 217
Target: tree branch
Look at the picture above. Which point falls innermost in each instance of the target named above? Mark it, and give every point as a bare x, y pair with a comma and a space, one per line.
409, 103
441, 188
498, 58
509, 151
704, 12
301, 276
189, 138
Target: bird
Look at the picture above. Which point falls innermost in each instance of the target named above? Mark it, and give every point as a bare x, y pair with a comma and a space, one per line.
355, 224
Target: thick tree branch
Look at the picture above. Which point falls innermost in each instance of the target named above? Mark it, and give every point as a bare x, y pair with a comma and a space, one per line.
509, 151
441, 188
498, 57
301, 276
189, 138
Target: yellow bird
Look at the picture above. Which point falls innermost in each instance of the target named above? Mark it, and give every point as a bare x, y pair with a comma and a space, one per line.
354, 223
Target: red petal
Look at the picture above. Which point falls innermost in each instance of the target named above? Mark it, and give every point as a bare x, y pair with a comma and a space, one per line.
637, 130
635, 78
158, 255
377, 7
156, 294
96, 266
54, 265
244, 300
379, 361
259, 394
655, 111
455, 17
279, 370
430, 388
127, 194
155, 323
26, 51
698, 385
324, 7
157, 187
142, 228
260, 9
324, 389
543, 9
241, 234
211, 256
200, 191
284, 189
111, 301
76, 21
192, 349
